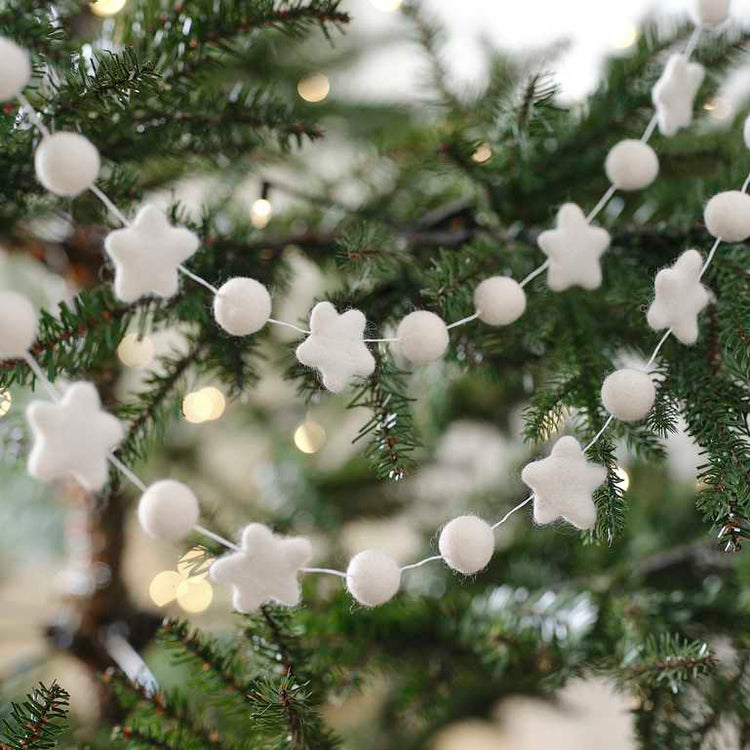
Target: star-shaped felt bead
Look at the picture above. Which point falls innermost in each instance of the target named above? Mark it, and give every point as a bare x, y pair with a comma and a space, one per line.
147, 255
336, 346
73, 437
574, 249
674, 93
679, 297
563, 484
265, 569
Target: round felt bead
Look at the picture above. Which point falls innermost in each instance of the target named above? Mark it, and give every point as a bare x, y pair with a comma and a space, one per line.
746, 131
18, 322
67, 164
628, 394
168, 510
373, 578
727, 216
466, 544
242, 306
499, 301
423, 337
710, 12
631, 165
15, 69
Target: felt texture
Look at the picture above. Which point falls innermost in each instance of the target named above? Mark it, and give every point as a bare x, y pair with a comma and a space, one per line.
679, 297
499, 301
563, 485
467, 544
423, 337
373, 578
674, 94
147, 254
73, 437
15, 69
574, 249
242, 306
631, 165
727, 216
168, 510
335, 346
746, 131
18, 323
66, 164
710, 12
264, 570
628, 394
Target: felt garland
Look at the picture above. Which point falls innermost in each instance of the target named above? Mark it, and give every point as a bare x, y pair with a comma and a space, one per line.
74, 436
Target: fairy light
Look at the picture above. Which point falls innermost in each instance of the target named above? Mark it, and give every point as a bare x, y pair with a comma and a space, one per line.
106, 8
5, 401
482, 154
625, 37
187, 585
719, 108
260, 213
314, 88
194, 596
204, 405
136, 352
309, 437
163, 588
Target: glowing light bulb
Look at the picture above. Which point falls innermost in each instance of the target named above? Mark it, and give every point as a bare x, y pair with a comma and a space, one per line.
105, 8
719, 108
163, 588
134, 351
260, 213
314, 88
309, 437
388, 6
194, 595
624, 478
625, 37
204, 405
482, 154
5, 402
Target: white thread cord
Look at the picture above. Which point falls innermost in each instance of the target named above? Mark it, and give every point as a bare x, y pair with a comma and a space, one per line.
216, 537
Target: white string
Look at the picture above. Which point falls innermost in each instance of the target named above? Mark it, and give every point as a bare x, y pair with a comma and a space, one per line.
127, 473
611, 190
598, 435
512, 511
198, 279
41, 377
107, 201
711, 254
324, 571
383, 341
463, 321
289, 325
216, 537
421, 563
534, 274
661, 343
36, 120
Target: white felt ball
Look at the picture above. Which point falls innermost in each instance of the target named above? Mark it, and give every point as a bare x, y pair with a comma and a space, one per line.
466, 544
242, 306
710, 12
67, 164
17, 325
746, 131
168, 510
628, 394
372, 578
15, 69
499, 301
631, 165
727, 216
423, 337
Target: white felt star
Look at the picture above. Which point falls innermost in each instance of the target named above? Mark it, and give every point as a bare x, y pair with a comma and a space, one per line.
680, 296
147, 255
674, 93
573, 249
73, 437
336, 347
564, 484
265, 569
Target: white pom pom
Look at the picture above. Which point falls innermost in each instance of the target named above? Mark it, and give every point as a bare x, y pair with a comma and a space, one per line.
423, 337
746, 131
466, 544
628, 394
15, 69
373, 578
17, 325
631, 165
499, 301
727, 216
710, 12
242, 306
66, 164
168, 510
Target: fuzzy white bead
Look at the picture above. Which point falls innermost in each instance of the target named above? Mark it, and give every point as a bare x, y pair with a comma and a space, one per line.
67, 164
467, 544
746, 131
373, 578
631, 165
15, 69
18, 323
628, 394
423, 337
710, 12
727, 216
168, 510
242, 306
499, 301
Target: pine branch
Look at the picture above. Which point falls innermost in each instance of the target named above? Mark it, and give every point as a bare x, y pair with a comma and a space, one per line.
38, 722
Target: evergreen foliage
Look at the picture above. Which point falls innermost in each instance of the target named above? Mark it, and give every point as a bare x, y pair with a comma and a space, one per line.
38, 722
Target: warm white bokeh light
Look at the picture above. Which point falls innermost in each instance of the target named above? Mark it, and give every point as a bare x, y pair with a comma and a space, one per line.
104, 8
309, 437
482, 154
134, 351
194, 595
5, 402
204, 405
163, 588
314, 88
624, 478
260, 213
